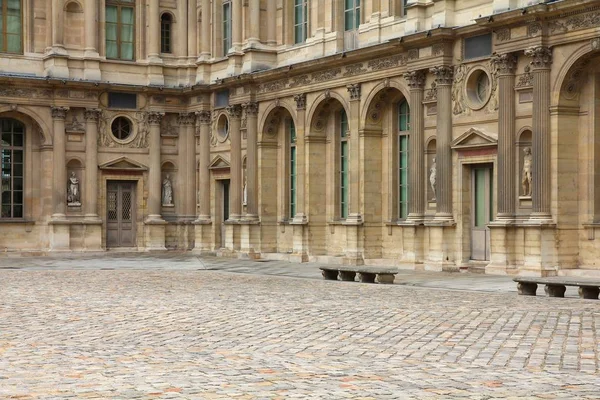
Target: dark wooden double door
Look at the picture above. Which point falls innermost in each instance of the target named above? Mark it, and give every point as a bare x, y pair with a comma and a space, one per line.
120, 214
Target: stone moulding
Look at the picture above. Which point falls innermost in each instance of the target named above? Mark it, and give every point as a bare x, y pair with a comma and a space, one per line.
473, 139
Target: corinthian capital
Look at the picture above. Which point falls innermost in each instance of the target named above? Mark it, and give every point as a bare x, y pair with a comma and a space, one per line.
541, 56
186, 118
251, 108
204, 117
415, 79
443, 74
155, 117
92, 114
505, 63
300, 100
354, 90
234, 111
59, 112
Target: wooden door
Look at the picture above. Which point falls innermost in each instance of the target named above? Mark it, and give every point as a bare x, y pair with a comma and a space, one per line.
120, 214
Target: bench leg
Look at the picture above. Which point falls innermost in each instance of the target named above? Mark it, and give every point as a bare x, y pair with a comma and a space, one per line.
555, 290
385, 278
527, 289
329, 275
347, 275
587, 292
366, 277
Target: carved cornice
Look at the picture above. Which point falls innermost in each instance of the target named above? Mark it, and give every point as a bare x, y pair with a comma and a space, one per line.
204, 116
59, 112
505, 63
188, 118
443, 74
234, 111
251, 108
154, 117
92, 114
541, 56
300, 100
415, 79
354, 90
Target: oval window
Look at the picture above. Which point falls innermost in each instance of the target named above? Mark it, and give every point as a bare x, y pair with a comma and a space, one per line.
121, 128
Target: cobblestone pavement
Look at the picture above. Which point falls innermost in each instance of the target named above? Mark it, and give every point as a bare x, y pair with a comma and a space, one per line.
202, 334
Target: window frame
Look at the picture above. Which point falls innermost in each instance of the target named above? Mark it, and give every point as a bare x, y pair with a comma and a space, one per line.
12, 148
403, 154
344, 169
166, 41
4, 35
226, 30
120, 4
355, 9
293, 169
303, 4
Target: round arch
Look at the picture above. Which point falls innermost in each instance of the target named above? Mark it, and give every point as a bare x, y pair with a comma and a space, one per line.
28, 112
590, 48
321, 99
393, 83
271, 107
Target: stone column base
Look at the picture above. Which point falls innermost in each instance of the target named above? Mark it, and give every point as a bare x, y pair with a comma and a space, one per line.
91, 70
540, 257
154, 235
502, 257
92, 240
56, 66
441, 247
60, 236
249, 240
202, 232
300, 241
354, 245
155, 75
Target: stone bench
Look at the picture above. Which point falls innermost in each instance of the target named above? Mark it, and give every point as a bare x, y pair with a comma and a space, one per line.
557, 285
365, 274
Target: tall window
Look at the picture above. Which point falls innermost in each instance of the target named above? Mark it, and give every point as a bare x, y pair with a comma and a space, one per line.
351, 14
404, 7
344, 164
12, 152
293, 170
403, 127
120, 29
226, 27
166, 23
300, 20
11, 26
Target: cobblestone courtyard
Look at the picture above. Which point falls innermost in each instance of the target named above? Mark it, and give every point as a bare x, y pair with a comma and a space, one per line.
203, 334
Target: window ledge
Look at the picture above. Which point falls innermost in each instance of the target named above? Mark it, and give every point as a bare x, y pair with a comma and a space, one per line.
17, 221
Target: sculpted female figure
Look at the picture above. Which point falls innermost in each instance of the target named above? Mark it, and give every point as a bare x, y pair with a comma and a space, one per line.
167, 192
432, 176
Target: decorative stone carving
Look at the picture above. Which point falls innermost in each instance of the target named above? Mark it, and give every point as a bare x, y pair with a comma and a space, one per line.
457, 90
354, 90
234, 111
526, 79
73, 193
492, 105
204, 116
433, 177
186, 118
327, 94
415, 79
354, 69
326, 75
167, 191
272, 124
441, 49
155, 117
542, 56
25, 92
596, 44
140, 138
502, 35
167, 125
413, 54
443, 74
75, 125
59, 112
431, 93
92, 114
534, 29
504, 63
581, 21
387, 62
301, 80
572, 85
250, 108
300, 100
526, 178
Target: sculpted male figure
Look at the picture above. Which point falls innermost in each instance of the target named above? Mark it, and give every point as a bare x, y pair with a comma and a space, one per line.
167, 195
73, 193
526, 174
432, 176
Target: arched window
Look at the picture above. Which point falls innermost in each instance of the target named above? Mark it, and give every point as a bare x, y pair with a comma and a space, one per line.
166, 23
11, 26
344, 165
403, 131
293, 171
120, 29
12, 157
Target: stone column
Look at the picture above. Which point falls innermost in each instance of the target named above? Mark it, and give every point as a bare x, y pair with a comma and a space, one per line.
300, 100
153, 31
251, 109
254, 34
154, 173
443, 79
541, 61
206, 14
59, 166
187, 157
91, 163
354, 214
505, 65
416, 170
91, 28
205, 119
58, 18
192, 29
236, 24
235, 138
271, 23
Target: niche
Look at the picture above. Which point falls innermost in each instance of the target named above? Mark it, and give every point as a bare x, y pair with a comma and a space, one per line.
168, 195
524, 181
74, 186
430, 152
74, 28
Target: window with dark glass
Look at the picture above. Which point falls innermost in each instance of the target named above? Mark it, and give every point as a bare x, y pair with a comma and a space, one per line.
478, 46
226, 27
292, 137
404, 7
11, 26
12, 157
166, 23
300, 20
120, 29
344, 165
403, 128
351, 14
121, 128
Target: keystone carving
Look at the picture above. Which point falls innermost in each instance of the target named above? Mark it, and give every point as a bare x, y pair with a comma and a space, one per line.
354, 90
300, 100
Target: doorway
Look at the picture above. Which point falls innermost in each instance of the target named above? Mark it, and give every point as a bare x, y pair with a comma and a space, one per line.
224, 208
481, 211
120, 214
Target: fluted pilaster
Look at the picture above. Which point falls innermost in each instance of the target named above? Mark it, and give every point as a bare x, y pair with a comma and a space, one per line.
251, 110
154, 172
59, 114
91, 163
235, 138
205, 119
187, 154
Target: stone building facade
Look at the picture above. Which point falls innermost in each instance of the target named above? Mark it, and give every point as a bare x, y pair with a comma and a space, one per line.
424, 134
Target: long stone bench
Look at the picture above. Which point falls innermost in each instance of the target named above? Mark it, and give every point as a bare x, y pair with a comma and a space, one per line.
365, 274
557, 285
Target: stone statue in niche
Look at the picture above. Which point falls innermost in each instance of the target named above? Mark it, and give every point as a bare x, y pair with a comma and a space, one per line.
245, 194
432, 176
73, 193
526, 178
167, 191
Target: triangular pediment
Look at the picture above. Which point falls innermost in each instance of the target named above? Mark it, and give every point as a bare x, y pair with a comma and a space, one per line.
124, 164
473, 139
219, 163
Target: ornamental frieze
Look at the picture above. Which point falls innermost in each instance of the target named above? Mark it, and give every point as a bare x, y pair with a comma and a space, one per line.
326, 75
26, 92
576, 22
